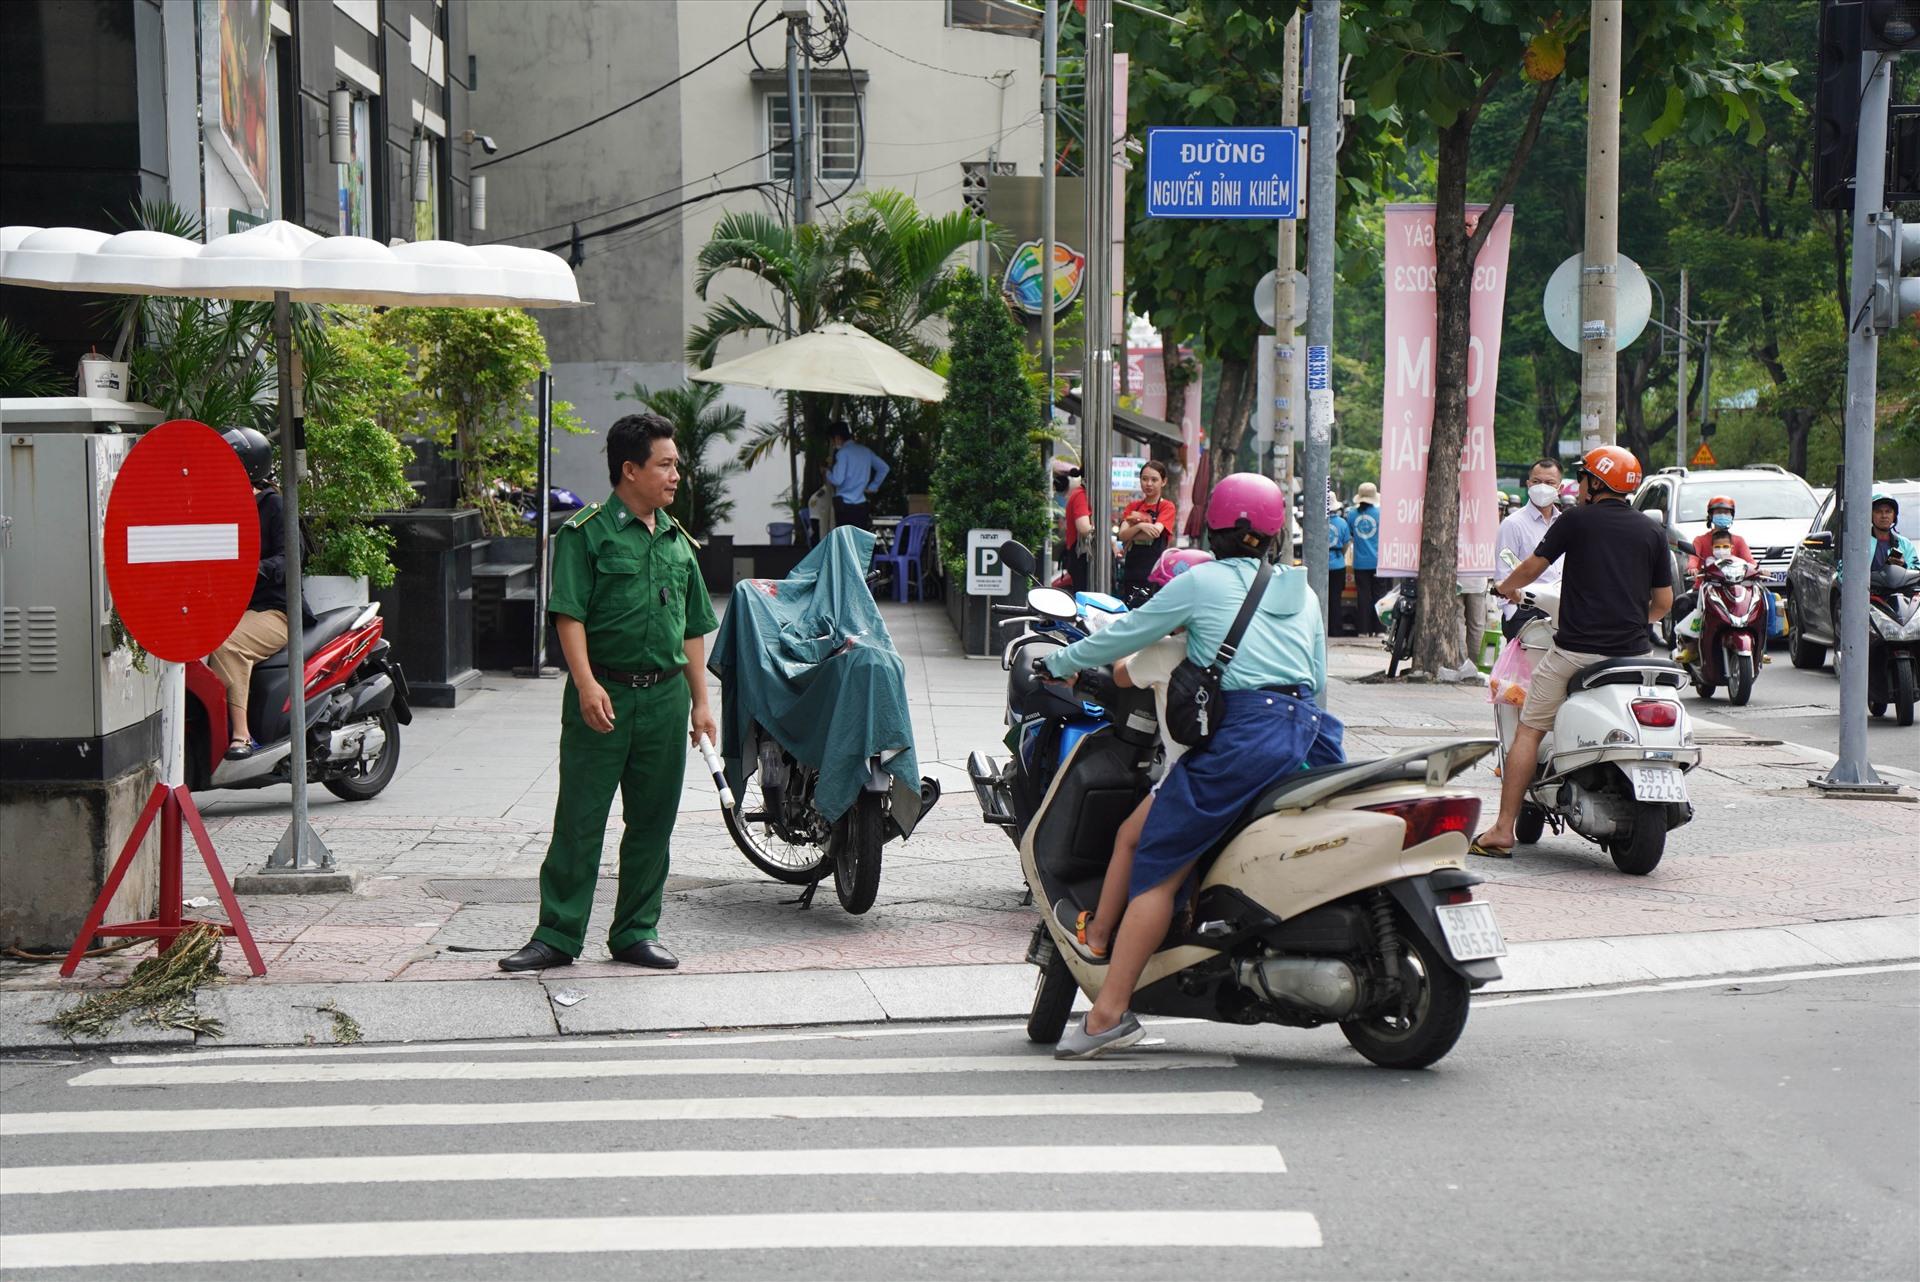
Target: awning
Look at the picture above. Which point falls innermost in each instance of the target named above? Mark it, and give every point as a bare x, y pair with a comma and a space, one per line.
1132, 424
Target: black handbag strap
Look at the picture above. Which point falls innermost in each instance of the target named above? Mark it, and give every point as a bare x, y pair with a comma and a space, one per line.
1231, 646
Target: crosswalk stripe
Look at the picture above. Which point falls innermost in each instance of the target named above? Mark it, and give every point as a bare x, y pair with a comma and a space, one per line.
536, 1069
541, 1112
911, 1230
1077, 1159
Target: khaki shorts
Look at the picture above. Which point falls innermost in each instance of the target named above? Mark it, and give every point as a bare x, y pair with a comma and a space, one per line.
1548, 688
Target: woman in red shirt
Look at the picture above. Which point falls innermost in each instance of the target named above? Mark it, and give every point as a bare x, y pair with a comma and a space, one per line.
1076, 531
1146, 530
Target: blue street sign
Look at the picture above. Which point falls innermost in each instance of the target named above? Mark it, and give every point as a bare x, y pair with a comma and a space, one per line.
1318, 375
1223, 173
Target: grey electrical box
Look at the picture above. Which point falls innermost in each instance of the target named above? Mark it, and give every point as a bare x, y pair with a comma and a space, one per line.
62, 676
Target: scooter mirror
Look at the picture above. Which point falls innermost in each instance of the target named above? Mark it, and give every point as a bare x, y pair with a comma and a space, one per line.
1017, 558
1052, 603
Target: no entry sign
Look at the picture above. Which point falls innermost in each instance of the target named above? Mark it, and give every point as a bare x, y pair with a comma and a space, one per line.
182, 541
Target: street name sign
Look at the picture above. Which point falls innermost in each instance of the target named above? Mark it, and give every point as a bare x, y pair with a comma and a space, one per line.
1223, 173
987, 574
182, 541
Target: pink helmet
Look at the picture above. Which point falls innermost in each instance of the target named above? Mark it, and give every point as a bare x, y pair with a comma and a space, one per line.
1249, 497
1174, 562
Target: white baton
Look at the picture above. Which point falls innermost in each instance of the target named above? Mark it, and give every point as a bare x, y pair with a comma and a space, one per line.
712, 758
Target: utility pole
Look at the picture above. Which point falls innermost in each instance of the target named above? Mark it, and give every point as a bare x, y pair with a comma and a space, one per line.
1323, 172
1598, 358
799, 137
1096, 396
1680, 387
1050, 119
1284, 381
1851, 771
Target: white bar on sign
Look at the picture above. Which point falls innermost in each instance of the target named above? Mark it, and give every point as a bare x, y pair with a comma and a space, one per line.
150, 544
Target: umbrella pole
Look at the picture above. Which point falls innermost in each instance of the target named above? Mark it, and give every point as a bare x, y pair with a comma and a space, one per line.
300, 848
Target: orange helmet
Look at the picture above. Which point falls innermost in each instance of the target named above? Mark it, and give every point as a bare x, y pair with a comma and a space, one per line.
1613, 467
1719, 501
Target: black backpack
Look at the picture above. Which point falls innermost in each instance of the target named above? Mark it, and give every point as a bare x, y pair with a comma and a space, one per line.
1193, 692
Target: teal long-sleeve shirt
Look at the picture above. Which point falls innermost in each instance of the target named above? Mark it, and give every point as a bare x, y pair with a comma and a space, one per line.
1286, 642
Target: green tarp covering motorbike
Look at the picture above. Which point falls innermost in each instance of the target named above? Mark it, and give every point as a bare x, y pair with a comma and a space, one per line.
808, 659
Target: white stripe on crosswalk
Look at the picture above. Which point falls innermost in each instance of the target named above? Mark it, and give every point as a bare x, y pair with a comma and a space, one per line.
909, 1230
543, 1112
525, 1069
1077, 1159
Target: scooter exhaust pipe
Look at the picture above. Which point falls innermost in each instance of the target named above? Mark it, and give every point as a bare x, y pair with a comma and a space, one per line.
1324, 985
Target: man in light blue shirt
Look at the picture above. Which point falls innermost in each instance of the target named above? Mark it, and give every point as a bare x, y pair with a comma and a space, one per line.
855, 475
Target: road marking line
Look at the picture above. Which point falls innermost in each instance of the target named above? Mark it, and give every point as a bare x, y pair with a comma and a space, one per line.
544, 1112
909, 1230
1717, 981
540, 1069
1130, 1159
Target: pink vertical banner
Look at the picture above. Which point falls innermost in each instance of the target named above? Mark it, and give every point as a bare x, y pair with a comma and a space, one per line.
1406, 427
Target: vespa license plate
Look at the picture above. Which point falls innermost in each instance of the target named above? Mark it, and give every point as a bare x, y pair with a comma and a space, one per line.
1657, 783
1471, 931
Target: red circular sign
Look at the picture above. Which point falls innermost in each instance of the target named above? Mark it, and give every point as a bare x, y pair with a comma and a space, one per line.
182, 541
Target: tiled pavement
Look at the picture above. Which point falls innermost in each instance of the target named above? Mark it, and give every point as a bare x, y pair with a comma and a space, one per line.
450, 853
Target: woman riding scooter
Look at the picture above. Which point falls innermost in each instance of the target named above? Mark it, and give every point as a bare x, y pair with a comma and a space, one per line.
1269, 728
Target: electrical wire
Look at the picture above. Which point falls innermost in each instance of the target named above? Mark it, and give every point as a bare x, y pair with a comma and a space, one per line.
648, 217
638, 200
651, 93
997, 78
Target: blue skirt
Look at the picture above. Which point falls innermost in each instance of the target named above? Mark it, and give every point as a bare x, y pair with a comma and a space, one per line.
1263, 737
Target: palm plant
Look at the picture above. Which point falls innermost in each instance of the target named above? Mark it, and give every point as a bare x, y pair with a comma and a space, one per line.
25, 369
698, 422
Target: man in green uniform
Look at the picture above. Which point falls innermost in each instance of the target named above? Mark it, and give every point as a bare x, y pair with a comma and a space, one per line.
633, 617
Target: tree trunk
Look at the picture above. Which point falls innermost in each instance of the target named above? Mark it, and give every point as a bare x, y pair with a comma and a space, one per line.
1548, 414
1436, 642
1172, 380
1229, 423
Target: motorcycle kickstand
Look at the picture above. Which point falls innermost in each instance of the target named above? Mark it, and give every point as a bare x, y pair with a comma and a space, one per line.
806, 896
1026, 900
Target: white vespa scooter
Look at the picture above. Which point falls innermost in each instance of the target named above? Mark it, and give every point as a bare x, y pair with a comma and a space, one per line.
1614, 766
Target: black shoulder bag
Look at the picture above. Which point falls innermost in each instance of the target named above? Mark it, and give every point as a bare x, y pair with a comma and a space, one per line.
1193, 692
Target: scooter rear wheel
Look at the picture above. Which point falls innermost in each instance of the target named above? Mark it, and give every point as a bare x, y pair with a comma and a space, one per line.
1531, 825
1638, 853
1052, 1002
764, 847
858, 840
365, 787
1435, 1016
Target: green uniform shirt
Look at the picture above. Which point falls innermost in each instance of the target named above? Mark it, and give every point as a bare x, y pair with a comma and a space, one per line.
639, 592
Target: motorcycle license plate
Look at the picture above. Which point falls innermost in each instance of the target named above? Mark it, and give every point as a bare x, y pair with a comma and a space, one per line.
1471, 931
1657, 783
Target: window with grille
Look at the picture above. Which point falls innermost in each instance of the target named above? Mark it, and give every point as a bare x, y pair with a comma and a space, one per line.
836, 137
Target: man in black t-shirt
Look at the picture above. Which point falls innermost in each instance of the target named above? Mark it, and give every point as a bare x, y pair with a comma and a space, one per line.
1616, 580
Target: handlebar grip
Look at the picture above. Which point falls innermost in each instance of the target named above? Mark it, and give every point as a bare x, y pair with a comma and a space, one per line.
1010, 609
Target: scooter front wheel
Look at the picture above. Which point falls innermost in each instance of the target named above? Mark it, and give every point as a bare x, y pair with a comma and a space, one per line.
1432, 1020
1903, 691
1052, 1002
1740, 675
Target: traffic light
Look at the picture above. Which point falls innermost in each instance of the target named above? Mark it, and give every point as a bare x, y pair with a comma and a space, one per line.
1896, 271
1891, 25
1836, 106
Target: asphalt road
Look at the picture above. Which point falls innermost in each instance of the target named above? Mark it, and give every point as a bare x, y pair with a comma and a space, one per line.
1749, 1129
1803, 706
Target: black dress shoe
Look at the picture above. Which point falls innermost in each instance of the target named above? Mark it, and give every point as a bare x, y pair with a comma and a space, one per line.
537, 955
648, 952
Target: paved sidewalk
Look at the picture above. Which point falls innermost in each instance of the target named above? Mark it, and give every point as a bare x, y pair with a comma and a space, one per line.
450, 855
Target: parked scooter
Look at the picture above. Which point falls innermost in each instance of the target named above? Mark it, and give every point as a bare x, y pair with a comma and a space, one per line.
1732, 644
1340, 896
1893, 643
1613, 767
356, 702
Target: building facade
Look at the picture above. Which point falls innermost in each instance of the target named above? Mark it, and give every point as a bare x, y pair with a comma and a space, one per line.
926, 95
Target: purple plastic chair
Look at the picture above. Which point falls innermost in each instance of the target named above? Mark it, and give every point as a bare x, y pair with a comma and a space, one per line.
908, 556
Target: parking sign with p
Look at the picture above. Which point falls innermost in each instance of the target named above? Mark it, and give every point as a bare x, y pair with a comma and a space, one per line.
987, 574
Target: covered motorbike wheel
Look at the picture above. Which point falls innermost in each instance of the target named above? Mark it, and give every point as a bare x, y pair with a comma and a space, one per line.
368, 780
1435, 1013
1740, 674
1052, 1002
795, 863
855, 851
1638, 853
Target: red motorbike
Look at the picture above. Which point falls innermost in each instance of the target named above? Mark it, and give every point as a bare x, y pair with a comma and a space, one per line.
355, 703
1733, 629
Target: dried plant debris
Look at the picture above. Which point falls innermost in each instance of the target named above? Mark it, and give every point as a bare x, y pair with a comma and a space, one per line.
346, 1029
158, 993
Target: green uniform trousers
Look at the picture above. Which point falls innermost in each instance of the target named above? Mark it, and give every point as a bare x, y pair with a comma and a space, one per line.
645, 757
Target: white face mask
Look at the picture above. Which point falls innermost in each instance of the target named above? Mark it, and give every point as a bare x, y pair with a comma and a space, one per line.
1542, 495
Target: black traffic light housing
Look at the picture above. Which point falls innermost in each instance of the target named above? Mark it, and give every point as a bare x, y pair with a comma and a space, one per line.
1891, 25
1836, 104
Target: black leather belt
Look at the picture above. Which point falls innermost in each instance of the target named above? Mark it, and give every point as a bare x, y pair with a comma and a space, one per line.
633, 680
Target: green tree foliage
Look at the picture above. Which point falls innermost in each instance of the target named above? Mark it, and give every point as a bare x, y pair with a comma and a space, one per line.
988, 474
704, 430
25, 369
357, 388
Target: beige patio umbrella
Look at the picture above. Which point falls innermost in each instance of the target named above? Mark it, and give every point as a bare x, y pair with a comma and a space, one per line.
837, 359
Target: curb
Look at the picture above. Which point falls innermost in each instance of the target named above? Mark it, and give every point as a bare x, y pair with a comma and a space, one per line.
456, 1010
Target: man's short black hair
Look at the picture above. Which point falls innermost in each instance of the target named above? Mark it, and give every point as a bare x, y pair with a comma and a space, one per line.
630, 440
1544, 461
839, 431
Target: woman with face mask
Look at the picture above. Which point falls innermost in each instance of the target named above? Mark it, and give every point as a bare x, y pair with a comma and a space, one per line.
1719, 540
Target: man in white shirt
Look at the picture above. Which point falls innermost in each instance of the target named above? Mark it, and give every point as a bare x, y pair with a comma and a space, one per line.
1521, 533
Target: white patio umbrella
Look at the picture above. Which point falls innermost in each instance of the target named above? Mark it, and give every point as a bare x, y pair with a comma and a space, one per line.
286, 263
836, 359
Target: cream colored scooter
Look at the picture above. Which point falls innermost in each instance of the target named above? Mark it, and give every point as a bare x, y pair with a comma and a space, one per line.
1340, 896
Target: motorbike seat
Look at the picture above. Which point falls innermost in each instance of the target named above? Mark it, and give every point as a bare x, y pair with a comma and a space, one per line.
1274, 798
1630, 671
324, 629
